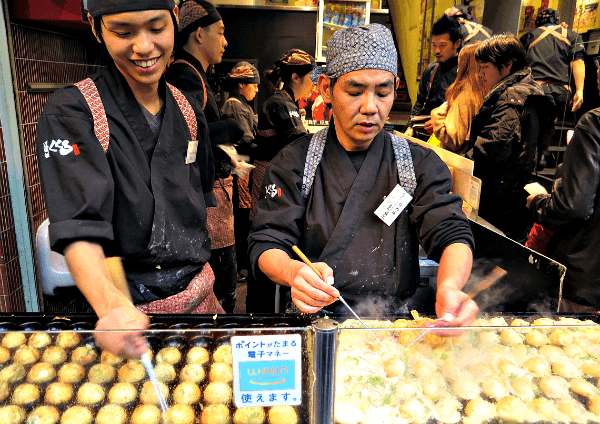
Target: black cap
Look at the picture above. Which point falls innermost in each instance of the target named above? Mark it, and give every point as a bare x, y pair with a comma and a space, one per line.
108, 7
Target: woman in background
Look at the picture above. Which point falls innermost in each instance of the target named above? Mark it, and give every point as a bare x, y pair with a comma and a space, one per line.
452, 120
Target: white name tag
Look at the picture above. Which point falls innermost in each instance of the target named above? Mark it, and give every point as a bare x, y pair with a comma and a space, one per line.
191, 152
393, 205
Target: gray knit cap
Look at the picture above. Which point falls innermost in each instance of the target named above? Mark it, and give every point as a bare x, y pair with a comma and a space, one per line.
362, 47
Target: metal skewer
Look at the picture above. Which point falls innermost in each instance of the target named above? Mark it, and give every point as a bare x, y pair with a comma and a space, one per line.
316, 271
152, 376
488, 281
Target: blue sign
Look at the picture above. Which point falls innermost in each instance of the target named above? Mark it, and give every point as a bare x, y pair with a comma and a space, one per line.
274, 375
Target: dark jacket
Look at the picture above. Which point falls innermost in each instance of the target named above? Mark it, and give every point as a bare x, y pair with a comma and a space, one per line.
429, 99
503, 143
572, 210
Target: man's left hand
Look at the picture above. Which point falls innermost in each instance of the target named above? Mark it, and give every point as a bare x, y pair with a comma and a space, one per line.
454, 306
577, 101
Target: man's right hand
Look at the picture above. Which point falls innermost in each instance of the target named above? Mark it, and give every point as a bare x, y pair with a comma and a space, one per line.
127, 344
409, 132
309, 292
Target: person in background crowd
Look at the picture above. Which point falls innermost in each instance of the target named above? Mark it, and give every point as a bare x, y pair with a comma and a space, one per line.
321, 193
118, 180
200, 43
471, 31
572, 212
242, 85
437, 77
552, 52
504, 133
452, 120
279, 123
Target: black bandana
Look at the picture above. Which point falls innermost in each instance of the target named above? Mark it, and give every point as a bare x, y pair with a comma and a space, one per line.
194, 14
108, 7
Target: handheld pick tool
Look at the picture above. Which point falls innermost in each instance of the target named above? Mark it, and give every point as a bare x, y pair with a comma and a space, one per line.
488, 281
316, 271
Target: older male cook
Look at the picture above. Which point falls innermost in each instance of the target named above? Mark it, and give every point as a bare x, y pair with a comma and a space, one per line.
322, 193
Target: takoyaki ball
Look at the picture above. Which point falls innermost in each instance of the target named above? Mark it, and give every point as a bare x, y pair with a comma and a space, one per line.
393, 367
423, 367
58, 393
536, 338
12, 373
42, 372
566, 369
145, 414
543, 321
584, 388
407, 388
433, 385
466, 389
111, 414
71, 373
4, 390
448, 409
220, 371
482, 371
132, 372
519, 353
508, 368
223, 354
39, 340
170, 355
407, 337
509, 336
592, 369
412, 410
489, 337
545, 409
25, 394
524, 388
54, 355
215, 414
561, 337
26, 355
344, 414
555, 387
193, 373
84, 355
452, 371
180, 414
495, 388
90, 394
198, 355
594, 405
148, 394
188, 393
44, 414
480, 410
110, 359
537, 366
4, 355
574, 410
13, 340
12, 414
165, 372
511, 408
249, 415
102, 373
574, 351
552, 353
77, 415
122, 393
217, 392
282, 414
67, 340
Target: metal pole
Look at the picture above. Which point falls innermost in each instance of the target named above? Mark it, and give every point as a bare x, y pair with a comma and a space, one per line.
14, 165
324, 370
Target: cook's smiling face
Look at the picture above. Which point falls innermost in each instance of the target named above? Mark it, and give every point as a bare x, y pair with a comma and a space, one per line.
361, 102
140, 44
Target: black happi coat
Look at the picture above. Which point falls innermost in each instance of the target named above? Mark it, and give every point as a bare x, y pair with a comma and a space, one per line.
148, 211
336, 224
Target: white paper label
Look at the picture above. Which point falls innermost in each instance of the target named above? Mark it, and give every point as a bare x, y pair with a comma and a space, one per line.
191, 152
393, 205
267, 370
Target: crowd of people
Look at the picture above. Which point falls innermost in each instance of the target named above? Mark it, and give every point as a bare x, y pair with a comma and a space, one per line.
158, 175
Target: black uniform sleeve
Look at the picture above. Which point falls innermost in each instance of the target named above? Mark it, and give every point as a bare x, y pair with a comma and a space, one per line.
75, 174
280, 214
576, 51
574, 195
421, 93
288, 127
435, 212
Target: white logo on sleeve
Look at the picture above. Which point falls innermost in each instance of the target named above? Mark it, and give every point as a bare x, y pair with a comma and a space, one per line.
272, 190
294, 113
59, 146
